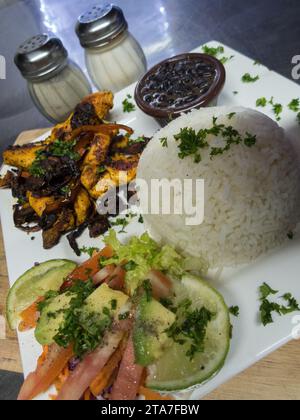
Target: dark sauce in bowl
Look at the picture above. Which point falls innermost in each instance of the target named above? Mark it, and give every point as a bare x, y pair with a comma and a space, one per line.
180, 84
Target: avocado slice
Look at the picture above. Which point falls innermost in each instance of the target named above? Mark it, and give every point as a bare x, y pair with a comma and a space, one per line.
52, 316
149, 337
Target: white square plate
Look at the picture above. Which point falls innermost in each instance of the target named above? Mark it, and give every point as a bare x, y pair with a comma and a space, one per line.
251, 341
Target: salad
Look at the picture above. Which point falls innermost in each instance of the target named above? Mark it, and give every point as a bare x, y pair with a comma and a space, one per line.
134, 321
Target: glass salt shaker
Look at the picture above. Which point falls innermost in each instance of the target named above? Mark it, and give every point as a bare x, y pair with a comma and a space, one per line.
114, 58
56, 84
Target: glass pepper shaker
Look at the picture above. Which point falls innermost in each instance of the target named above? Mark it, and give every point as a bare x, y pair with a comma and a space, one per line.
56, 84
114, 58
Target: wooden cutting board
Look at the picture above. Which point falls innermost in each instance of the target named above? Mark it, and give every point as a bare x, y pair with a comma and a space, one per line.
274, 378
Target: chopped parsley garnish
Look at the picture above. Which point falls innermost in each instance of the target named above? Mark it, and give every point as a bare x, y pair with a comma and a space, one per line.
141, 219
231, 115
127, 105
21, 201
81, 328
266, 291
298, 118
190, 328
277, 109
60, 148
235, 92
114, 304
235, 311
293, 305
164, 141
213, 51
247, 78
51, 294
65, 190
101, 169
89, 250
225, 60
267, 308
216, 52
294, 105
36, 169
169, 304
148, 289
191, 142
261, 102
121, 222
256, 63
135, 141
290, 235
131, 265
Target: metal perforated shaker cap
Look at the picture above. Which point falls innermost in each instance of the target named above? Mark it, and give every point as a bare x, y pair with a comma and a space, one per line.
41, 56
100, 25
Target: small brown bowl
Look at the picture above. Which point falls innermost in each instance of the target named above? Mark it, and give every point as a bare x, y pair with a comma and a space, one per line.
180, 84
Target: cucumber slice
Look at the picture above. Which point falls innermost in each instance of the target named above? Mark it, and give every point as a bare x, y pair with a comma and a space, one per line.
33, 284
174, 371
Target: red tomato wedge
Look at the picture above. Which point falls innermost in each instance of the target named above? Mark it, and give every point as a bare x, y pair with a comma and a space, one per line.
103, 274
88, 370
130, 376
88, 269
161, 284
116, 280
46, 372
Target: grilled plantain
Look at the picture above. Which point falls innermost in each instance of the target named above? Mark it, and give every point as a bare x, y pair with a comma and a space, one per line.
22, 157
82, 206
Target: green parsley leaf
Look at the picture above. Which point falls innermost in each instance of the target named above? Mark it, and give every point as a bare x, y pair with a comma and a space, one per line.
131, 265
127, 105
141, 219
235, 92
247, 78
298, 118
190, 327
148, 289
231, 115
191, 142
266, 310
261, 102
114, 304
101, 169
293, 305
277, 109
234, 310
90, 251
266, 291
294, 105
213, 51
164, 141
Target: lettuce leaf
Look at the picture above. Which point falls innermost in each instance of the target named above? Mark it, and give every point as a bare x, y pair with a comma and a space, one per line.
142, 255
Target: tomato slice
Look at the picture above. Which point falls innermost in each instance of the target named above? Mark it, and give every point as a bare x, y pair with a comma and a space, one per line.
87, 370
130, 376
88, 269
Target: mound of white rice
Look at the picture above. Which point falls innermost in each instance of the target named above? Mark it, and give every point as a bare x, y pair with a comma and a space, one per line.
252, 194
